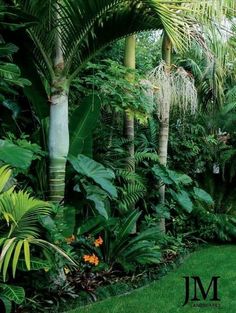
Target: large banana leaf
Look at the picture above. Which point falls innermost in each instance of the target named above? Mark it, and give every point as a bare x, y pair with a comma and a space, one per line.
15, 155
82, 123
96, 171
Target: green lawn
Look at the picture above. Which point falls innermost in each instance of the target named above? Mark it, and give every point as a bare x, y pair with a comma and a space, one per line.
167, 295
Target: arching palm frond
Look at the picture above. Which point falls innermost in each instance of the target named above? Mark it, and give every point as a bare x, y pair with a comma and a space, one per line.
20, 226
84, 27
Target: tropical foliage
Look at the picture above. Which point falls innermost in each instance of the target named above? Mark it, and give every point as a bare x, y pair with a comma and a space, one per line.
117, 143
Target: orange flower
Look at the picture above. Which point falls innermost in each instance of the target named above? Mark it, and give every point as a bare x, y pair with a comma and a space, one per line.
98, 242
86, 258
92, 259
70, 239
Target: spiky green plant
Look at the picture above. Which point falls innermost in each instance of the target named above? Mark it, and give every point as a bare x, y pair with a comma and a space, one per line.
20, 226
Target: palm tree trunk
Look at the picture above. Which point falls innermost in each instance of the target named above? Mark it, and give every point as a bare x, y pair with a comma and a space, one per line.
58, 128
58, 145
164, 124
129, 61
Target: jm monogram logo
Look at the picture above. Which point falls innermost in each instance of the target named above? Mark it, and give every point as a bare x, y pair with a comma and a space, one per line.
199, 289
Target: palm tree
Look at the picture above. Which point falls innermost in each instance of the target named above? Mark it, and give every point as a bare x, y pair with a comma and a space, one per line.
129, 62
200, 12
175, 89
70, 32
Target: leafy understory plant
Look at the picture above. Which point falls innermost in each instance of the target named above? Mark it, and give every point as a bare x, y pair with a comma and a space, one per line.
20, 227
9, 294
94, 181
121, 249
181, 189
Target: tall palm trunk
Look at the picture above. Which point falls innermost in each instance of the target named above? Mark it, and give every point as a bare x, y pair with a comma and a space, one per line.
129, 61
58, 129
164, 123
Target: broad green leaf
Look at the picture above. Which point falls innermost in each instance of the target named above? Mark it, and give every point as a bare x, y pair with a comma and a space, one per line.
98, 197
82, 123
15, 155
96, 171
162, 173
179, 178
170, 177
202, 195
182, 197
13, 293
9, 71
162, 211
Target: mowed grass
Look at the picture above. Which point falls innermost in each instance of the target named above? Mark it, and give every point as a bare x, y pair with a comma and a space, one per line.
167, 294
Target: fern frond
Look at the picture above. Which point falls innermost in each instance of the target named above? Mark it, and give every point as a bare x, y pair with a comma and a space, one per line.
131, 193
143, 156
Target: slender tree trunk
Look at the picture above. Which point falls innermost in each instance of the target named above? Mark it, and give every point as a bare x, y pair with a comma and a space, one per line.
129, 61
58, 128
58, 144
164, 123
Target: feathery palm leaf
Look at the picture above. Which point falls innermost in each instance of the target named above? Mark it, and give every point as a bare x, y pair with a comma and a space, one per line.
84, 27
20, 225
